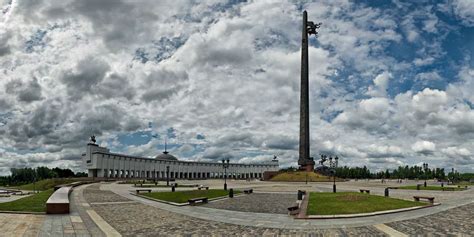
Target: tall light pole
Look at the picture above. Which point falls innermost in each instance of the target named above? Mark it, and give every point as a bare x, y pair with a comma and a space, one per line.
425, 168
333, 165
225, 164
167, 176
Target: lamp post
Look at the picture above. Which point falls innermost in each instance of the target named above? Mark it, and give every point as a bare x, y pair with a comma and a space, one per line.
425, 168
333, 165
225, 164
167, 176
34, 183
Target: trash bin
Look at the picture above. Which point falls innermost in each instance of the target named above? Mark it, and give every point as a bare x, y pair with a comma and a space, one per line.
231, 193
300, 194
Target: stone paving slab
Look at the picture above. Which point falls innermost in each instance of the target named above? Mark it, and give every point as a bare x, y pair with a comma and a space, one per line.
20, 224
76, 223
142, 220
284, 221
93, 194
458, 221
257, 202
153, 218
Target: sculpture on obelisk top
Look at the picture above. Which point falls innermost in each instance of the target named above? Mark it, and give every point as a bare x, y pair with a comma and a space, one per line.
305, 161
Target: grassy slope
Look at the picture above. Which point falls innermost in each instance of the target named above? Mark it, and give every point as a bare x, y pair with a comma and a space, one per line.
300, 176
183, 196
34, 203
46, 184
433, 188
464, 183
352, 203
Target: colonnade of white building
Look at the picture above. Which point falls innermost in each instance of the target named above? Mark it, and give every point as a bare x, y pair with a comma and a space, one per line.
101, 163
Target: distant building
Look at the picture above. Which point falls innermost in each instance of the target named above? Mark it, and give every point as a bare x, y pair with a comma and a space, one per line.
100, 162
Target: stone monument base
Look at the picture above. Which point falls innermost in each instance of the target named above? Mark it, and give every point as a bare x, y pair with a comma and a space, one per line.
307, 168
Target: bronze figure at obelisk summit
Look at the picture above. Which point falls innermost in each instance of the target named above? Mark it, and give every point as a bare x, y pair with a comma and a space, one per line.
305, 161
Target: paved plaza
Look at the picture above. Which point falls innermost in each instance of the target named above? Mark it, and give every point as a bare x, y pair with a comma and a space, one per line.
257, 202
110, 209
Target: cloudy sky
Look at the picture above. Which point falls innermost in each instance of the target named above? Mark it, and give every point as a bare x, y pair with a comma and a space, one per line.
391, 83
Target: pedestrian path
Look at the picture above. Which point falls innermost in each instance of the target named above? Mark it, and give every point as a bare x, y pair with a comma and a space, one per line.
76, 223
284, 221
20, 224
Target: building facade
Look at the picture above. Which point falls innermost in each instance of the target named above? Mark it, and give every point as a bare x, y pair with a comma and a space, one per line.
100, 162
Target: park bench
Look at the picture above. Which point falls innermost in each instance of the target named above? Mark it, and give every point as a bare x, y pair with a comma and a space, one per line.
203, 187
58, 202
248, 191
364, 190
143, 190
417, 198
293, 210
194, 200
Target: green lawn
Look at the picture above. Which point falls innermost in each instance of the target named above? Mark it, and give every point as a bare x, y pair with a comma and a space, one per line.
464, 183
352, 203
432, 188
302, 176
46, 184
183, 196
34, 203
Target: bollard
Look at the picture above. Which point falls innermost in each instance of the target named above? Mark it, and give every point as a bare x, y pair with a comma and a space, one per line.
386, 192
231, 193
172, 188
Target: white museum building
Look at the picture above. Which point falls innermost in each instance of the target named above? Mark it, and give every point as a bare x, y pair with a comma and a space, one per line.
101, 163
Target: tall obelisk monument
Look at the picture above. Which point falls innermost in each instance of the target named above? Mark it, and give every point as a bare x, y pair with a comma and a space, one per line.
305, 161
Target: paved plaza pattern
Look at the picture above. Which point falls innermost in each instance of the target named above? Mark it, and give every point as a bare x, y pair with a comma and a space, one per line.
455, 222
257, 202
152, 221
20, 224
111, 209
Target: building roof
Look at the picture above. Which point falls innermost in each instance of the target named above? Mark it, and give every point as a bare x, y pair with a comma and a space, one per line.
165, 156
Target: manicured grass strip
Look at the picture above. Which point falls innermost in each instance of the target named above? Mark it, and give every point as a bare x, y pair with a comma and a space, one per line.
46, 184
464, 183
184, 196
34, 203
432, 188
353, 203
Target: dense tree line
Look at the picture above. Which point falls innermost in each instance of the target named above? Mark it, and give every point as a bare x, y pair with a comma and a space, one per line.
27, 175
402, 172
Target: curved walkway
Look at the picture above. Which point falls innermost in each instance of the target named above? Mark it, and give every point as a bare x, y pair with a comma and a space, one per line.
76, 223
283, 221
139, 219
